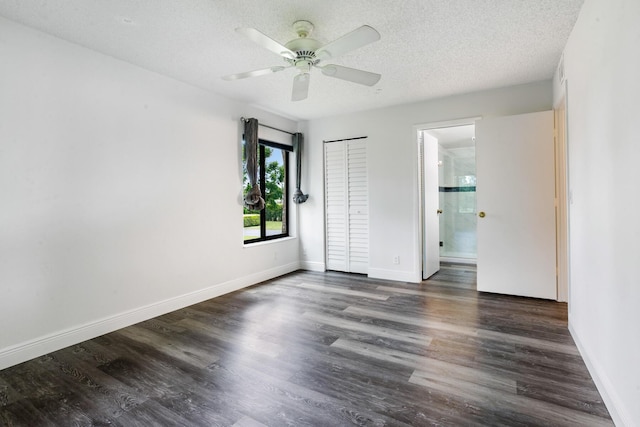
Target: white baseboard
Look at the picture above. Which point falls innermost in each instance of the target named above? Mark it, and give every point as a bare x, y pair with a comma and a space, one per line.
35, 348
313, 266
399, 276
612, 401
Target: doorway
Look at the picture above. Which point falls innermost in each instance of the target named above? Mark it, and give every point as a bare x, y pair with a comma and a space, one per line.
457, 193
447, 193
516, 233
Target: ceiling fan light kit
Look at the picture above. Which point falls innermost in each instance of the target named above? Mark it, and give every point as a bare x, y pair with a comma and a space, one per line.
305, 53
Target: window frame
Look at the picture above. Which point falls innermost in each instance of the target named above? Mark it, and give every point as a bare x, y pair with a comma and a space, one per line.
262, 143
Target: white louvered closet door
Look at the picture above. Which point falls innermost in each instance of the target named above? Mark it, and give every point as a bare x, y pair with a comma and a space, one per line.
347, 206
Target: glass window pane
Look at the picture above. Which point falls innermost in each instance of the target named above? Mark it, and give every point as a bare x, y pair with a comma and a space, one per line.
275, 191
272, 179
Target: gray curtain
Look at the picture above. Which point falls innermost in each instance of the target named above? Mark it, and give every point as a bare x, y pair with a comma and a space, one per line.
298, 140
253, 199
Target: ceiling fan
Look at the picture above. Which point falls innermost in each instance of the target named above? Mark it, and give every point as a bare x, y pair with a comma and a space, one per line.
305, 53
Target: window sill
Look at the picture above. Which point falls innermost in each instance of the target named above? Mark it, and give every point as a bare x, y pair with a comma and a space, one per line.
268, 242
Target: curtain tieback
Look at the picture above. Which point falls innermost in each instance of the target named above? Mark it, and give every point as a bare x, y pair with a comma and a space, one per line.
253, 199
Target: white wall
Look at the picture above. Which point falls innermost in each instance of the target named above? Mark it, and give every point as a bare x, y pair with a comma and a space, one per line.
393, 170
120, 193
602, 66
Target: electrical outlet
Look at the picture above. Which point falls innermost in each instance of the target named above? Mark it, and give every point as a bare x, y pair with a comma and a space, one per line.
396, 259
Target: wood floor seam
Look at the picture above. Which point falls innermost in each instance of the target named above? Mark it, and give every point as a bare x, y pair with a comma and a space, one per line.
321, 349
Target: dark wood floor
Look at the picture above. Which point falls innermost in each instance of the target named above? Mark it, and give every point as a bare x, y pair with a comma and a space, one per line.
312, 349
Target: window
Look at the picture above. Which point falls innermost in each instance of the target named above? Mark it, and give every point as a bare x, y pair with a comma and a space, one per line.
273, 169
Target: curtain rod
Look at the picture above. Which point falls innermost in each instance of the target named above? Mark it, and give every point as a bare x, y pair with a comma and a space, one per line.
242, 119
346, 139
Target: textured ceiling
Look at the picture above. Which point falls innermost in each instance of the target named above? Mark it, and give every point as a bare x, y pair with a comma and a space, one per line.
428, 48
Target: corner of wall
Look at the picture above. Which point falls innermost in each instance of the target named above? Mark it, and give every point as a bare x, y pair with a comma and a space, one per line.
395, 275
613, 402
35, 348
313, 266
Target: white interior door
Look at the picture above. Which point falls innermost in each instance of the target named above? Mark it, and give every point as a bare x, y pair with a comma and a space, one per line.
431, 199
516, 193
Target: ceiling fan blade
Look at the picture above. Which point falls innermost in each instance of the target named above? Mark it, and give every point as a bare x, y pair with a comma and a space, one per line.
355, 39
300, 87
351, 74
266, 42
254, 73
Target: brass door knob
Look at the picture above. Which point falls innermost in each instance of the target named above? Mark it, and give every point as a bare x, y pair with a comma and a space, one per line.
439, 211
481, 214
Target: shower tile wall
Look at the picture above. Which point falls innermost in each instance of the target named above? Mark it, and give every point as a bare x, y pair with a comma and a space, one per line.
457, 181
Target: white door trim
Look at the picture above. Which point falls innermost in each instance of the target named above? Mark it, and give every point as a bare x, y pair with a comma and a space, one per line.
562, 199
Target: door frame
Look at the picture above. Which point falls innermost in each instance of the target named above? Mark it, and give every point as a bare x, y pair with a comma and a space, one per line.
563, 198
419, 209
